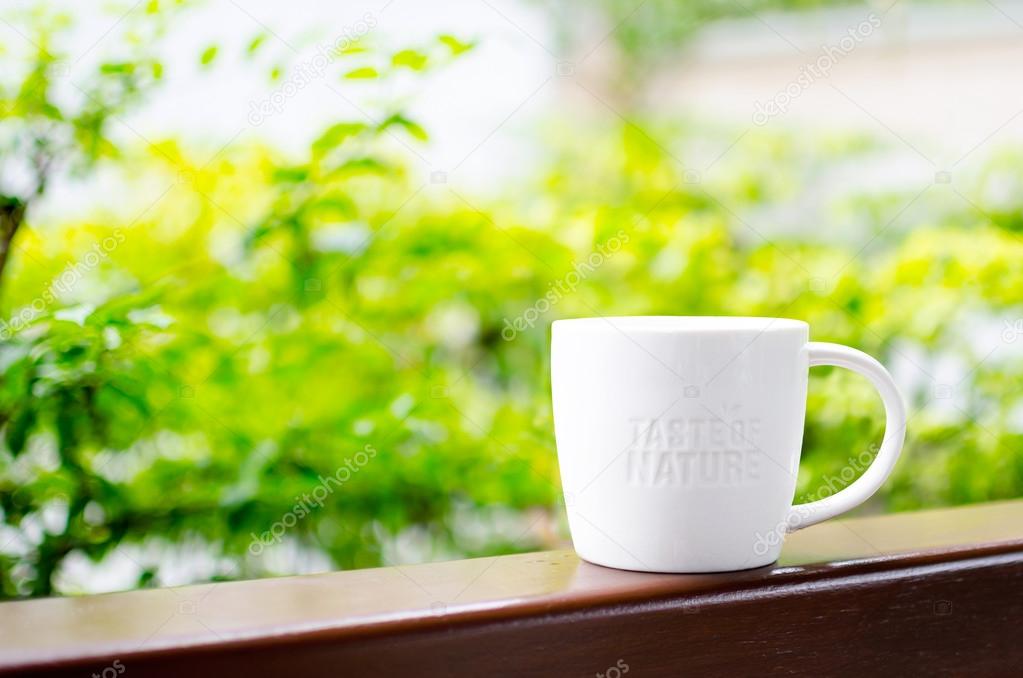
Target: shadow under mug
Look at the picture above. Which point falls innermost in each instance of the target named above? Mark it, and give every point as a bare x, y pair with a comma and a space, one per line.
679, 437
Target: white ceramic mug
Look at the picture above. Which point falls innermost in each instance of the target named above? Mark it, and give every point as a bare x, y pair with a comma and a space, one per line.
679, 437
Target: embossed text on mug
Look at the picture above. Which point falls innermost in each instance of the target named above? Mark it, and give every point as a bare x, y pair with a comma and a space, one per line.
693, 452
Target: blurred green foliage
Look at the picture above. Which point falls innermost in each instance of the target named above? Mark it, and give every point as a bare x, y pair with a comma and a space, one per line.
176, 381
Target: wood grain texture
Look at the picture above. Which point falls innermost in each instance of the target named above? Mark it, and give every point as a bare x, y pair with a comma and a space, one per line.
938, 592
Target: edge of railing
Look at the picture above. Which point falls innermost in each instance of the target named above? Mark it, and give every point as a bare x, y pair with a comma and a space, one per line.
934, 582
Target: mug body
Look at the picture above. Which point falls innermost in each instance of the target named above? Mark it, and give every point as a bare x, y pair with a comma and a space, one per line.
679, 437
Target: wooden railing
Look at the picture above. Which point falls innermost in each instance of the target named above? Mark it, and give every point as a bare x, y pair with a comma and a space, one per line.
930, 593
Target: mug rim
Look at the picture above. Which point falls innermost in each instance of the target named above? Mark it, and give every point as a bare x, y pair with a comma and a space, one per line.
682, 323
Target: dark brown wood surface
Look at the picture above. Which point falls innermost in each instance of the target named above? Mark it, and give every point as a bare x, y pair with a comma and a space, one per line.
930, 593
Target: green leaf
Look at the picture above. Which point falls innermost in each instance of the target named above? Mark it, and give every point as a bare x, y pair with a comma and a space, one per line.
335, 205
337, 134
410, 126
455, 45
364, 73
208, 55
50, 111
290, 175
19, 429
409, 58
360, 166
256, 43
353, 47
117, 68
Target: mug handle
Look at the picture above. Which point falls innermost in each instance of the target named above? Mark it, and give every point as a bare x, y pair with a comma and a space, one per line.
820, 353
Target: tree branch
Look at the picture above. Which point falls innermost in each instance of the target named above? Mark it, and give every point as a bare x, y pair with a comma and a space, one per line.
12, 215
